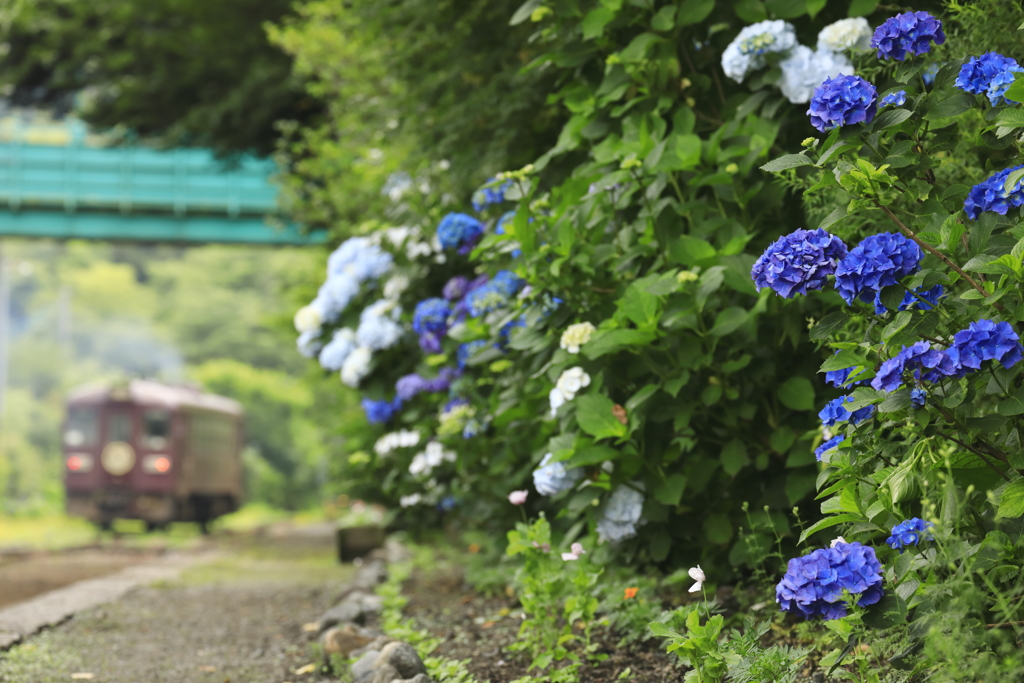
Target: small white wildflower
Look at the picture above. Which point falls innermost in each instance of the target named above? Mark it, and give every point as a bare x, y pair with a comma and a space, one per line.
697, 574
836, 541
576, 552
576, 336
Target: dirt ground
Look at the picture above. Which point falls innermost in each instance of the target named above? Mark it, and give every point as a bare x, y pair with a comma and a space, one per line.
480, 629
25, 577
236, 619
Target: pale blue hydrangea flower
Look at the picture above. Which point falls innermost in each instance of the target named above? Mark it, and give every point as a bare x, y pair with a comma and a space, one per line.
336, 294
747, 51
359, 258
621, 514
551, 478
378, 333
804, 70
333, 355
309, 343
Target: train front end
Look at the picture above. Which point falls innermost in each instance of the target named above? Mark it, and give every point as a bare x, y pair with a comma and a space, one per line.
119, 457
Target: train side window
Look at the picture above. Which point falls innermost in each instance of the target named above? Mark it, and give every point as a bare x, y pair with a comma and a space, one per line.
119, 427
82, 427
158, 428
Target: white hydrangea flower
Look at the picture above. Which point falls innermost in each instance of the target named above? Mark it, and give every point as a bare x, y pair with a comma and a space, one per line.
571, 381
426, 460
410, 500
557, 400
846, 34
576, 336
804, 70
356, 366
308, 318
836, 541
401, 439
747, 51
395, 286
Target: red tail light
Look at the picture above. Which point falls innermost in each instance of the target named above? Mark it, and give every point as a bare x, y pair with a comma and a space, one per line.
156, 464
79, 462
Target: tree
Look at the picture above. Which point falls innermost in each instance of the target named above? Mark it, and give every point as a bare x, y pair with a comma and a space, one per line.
186, 72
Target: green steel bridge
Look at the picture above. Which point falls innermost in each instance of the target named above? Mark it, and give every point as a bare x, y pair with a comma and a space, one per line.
58, 181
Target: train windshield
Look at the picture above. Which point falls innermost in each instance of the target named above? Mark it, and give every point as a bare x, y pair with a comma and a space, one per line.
82, 427
158, 428
119, 426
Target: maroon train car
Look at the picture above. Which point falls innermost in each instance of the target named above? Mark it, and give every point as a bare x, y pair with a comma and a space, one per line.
151, 451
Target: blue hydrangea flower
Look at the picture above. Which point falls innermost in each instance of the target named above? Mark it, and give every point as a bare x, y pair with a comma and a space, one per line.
929, 73
447, 504
500, 230
909, 532
896, 99
798, 262
837, 378
506, 330
990, 195
621, 514
928, 363
456, 288
459, 231
918, 397
378, 412
430, 342
986, 340
551, 478
835, 411
813, 584
827, 446
335, 294
931, 300
990, 74
907, 34
843, 101
472, 428
431, 315
467, 350
494, 295
359, 259
486, 196
878, 261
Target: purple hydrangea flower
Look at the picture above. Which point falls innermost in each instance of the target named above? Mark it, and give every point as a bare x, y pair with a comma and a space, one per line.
835, 411
990, 74
909, 532
381, 411
459, 231
931, 300
918, 397
827, 446
455, 288
878, 261
430, 342
813, 585
486, 196
843, 101
990, 195
907, 34
987, 340
410, 385
896, 99
798, 262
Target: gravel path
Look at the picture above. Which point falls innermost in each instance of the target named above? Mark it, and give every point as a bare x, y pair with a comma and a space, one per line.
236, 619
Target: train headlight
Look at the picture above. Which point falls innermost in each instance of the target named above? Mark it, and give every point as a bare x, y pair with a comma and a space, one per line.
118, 458
156, 464
79, 462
